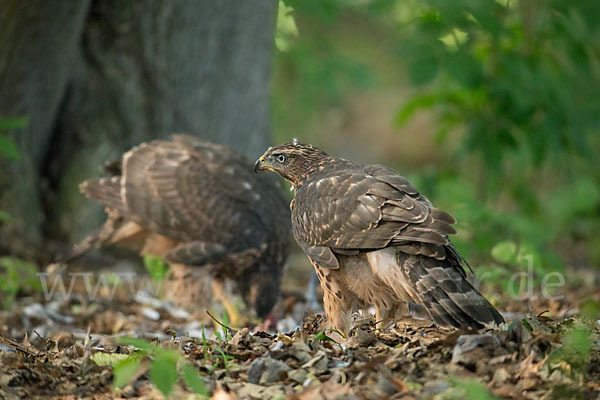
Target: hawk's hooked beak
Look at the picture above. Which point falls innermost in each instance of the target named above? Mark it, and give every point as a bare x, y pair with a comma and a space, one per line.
259, 165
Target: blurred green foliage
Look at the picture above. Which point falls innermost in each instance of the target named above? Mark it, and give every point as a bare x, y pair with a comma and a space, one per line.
574, 355
312, 72
166, 367
286, 27
225, 333
8, 147
520, 77
521, 80
467, 389
156, 267
514, 89
576, 349
16, 276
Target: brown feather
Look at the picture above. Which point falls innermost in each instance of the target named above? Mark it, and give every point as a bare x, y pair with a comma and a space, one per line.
369, 221
198, 203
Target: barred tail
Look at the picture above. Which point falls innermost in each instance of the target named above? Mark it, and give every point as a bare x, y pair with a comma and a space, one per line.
107, 191
447, 295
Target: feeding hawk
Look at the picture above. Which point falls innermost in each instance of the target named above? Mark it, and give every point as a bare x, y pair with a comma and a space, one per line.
375, 240
197, 203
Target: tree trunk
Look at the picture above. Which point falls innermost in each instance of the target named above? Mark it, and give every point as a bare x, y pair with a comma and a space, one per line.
96, 78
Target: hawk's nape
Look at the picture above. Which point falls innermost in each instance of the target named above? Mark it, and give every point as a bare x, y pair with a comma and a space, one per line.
374, 239
199, 204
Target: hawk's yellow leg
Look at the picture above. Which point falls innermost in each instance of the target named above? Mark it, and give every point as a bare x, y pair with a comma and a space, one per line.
235, 319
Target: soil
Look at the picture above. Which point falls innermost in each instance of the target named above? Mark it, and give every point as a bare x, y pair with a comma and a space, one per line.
64, 348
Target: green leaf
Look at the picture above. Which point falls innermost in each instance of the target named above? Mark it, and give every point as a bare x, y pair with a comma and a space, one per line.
505, 252
225, 358
415, 104
104, 359
323, 336
204, 344
423, 69
218, 336
286, 29
125, 370
4, 216
589, 309
163, 371
13, 123
338, 332
113, 279
136, 342
576, 347
8, 148
454, 39
156, 267
473, 390
9, 284
18, 275
193, 379
413, 385
226, 334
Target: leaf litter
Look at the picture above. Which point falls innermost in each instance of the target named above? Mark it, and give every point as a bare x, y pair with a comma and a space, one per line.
78, 348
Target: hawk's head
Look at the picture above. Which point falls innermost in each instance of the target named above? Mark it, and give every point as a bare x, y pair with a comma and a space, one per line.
291, 161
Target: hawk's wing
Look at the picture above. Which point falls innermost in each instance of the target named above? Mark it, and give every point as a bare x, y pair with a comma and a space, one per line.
354, 208
368, 208
191, 191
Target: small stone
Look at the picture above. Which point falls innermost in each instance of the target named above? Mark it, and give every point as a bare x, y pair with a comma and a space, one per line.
239, 337
276, 346
177, 312
297, 375
466, 345
256, 369
266, 370
501, 375
318, 357
386, 385
287, 325
433, 388
150, 313
322, 364
506, 390
526, 384
361, 338
300, 351
273, 371
246, 390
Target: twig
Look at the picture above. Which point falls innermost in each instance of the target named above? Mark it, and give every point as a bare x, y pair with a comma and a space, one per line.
231, 331
87, 353
44, 341
16, 345
542, 313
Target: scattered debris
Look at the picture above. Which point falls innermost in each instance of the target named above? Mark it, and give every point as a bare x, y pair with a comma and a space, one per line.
72, 349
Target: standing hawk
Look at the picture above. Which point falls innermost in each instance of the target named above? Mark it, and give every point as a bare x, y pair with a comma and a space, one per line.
374, 239
197, 204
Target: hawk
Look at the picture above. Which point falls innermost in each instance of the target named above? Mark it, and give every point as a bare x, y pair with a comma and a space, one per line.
196, 203
375, 240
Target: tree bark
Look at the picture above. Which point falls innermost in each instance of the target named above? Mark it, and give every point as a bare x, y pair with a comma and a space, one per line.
96, 78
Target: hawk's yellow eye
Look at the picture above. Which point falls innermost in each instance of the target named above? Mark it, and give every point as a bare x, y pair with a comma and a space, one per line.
281, 158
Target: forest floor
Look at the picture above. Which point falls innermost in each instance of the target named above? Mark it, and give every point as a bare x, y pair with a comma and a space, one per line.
136, 346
